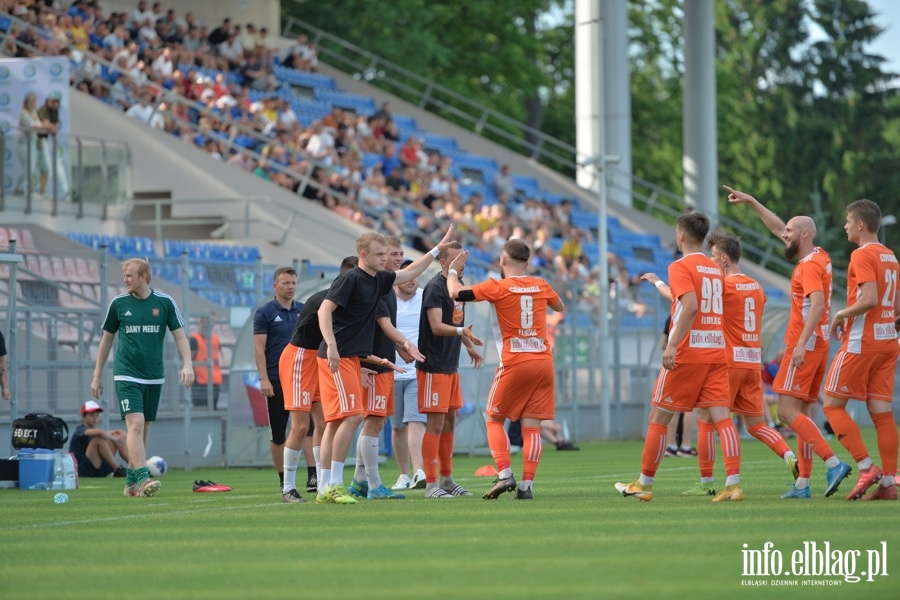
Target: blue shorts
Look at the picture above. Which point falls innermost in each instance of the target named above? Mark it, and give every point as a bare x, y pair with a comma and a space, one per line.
406, 403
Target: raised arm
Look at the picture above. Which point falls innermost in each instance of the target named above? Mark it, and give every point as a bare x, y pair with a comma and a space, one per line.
769, 219
418, 267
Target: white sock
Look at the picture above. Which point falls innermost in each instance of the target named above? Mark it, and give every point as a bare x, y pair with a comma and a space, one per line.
644, 480
887, 481
802, 482
864, 464
316, 450
788, 456
359, 473
707, 479
324, 482
732, 480
525, 484
337, 473
291, 460
505, 473
832, 462
369, 445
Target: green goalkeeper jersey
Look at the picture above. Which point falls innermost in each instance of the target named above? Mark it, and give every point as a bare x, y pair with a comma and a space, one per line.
142, 328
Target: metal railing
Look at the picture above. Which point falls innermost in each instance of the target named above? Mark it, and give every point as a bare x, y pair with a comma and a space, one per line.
75, 171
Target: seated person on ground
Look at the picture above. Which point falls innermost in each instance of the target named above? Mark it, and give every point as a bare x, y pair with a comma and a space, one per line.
94, 448
550, 431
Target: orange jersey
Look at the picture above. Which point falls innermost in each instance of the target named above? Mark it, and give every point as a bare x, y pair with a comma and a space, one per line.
872, 332
812, 274
704, 342
743, 300
520, 304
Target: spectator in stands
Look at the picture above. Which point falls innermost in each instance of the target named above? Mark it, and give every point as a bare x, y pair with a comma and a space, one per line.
205, 347
46, 142
258, 72
320, 148
139, 16
231, 52
146, 112
94, 448
30, 125
273, 325
503, 183
221, 33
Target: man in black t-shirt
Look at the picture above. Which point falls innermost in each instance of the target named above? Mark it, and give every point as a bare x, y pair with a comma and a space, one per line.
379, 402
347, 321
298, 373
442, 333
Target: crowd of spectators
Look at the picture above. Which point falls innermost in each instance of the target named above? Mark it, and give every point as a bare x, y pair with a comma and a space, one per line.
215, 88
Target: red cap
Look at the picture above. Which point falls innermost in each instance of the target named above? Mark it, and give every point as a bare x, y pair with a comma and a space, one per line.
90, 406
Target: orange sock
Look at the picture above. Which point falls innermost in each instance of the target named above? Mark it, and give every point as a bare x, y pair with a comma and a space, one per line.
731, 446
445, 454
888, 443
805, 456
654, 449
806, 429
847, 431
430, 456
706, 447
498, 442
770, 438
531, 452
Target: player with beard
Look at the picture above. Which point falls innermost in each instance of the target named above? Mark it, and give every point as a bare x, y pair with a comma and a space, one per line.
806, 343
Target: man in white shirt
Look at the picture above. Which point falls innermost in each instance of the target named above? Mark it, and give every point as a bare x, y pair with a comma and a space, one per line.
407, 423
145, 112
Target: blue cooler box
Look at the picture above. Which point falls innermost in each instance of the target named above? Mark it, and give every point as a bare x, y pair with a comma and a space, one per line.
36, 468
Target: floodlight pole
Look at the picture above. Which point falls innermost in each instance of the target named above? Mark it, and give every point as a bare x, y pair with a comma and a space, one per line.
600, 163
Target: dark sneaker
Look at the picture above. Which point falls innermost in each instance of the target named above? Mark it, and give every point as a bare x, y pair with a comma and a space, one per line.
292, 497
567, 446
523, 494
311, 483
500, 486
120, 472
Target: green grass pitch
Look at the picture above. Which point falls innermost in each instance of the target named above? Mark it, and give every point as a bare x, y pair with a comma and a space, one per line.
576, 539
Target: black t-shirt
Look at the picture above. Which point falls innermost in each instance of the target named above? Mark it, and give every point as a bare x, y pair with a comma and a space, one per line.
441, 352
307, 333
3, 341
356, 293
78, 442
383, 346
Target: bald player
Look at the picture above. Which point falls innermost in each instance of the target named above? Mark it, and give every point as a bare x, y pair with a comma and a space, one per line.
800, 376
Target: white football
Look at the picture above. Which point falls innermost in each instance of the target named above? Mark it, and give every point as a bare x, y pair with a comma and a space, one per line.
157, 466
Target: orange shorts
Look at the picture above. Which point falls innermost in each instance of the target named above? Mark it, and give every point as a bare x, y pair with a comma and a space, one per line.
342, 391
746, 390
438, 392
862, 376
380, 398
299, 376
691, 386
803, 383
523, 390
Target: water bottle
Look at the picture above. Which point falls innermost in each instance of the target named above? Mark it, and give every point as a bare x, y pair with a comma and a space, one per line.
42, 485
58, 475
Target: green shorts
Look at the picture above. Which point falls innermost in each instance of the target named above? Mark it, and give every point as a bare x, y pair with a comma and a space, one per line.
140, 398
